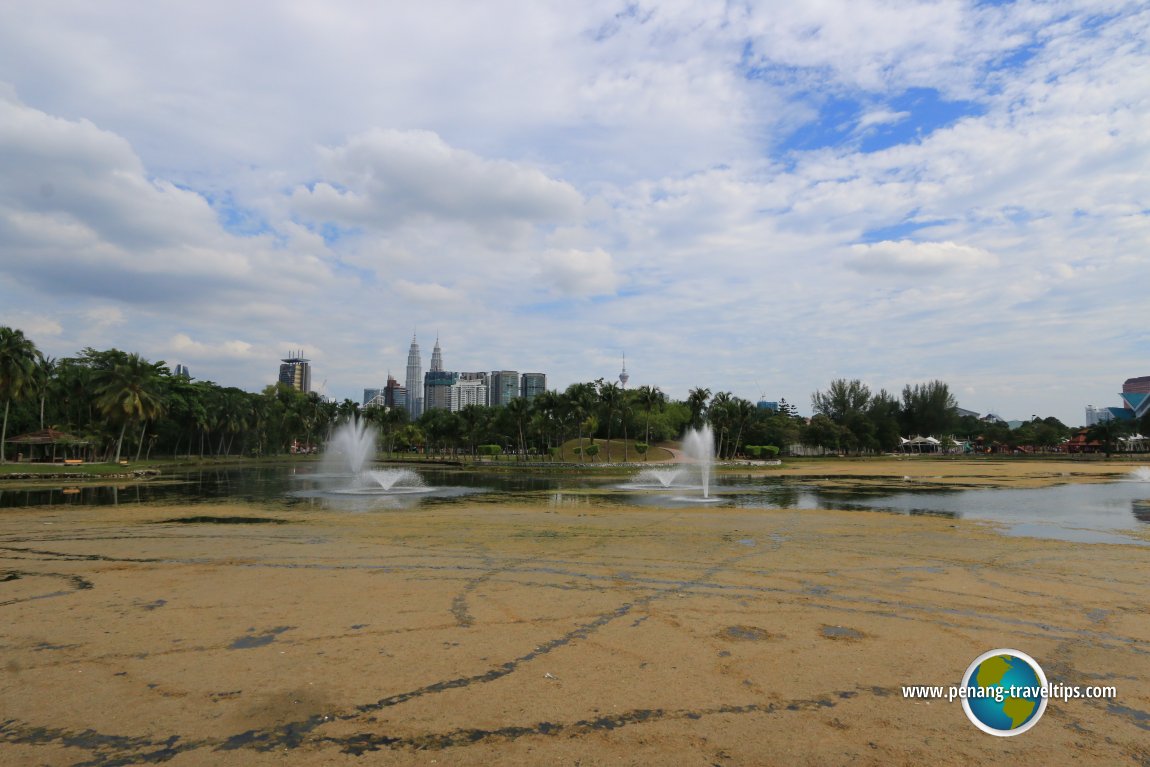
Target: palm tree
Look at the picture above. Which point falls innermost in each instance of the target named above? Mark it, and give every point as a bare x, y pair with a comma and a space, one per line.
129, 391
45, 379
519, 409
18, 359
580, 400
743, 411
610, 396
697, 402
650, 398
719, 414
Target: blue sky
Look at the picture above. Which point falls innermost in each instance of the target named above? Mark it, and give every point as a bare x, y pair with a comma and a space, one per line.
756, 197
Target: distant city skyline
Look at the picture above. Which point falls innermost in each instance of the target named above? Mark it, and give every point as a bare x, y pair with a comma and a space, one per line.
756, 198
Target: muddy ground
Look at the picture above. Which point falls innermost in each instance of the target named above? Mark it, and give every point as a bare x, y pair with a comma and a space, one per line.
561, 632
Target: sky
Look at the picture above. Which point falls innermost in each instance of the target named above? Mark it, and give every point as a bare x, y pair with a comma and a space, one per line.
754, 197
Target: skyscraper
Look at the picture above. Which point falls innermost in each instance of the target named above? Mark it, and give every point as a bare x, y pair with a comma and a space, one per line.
436, 358
414, 380
532, 385
296, 372
394, 395
504, 387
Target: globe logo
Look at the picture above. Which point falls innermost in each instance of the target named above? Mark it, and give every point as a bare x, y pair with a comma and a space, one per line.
1004, 692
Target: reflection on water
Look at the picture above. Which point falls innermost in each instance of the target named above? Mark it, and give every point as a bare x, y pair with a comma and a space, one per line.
1078, 512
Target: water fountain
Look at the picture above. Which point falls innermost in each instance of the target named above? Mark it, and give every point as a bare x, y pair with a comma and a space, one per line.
1141, 474
663, 477
699, 445
351, 447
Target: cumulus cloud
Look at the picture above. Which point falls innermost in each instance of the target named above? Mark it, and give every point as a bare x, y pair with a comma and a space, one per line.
387, 176
428, 293
579, 273
918, 259
79, 214
189, 349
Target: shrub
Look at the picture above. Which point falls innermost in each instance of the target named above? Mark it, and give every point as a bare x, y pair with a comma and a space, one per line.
489, 450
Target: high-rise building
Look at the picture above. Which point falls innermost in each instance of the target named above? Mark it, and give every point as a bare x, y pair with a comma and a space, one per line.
504, 387
1096, 415
470, 389
437, 389
394, 395
296, 372
182, 372
372, 394
532, 385
436, 358
414, 380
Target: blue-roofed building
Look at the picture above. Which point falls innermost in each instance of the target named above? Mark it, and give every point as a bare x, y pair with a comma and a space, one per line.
1136, 396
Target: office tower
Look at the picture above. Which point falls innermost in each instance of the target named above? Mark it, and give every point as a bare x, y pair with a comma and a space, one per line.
391, 391
182, 372
296, 372
437, 389
436, 358
504, 387
470, 389
414, 380
532, 384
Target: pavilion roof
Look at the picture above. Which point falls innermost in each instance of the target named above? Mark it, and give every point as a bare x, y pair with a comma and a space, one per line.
47, 437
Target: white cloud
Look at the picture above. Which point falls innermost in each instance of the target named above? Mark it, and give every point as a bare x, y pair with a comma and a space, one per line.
918, 259
579, 273
184, 347
387, 176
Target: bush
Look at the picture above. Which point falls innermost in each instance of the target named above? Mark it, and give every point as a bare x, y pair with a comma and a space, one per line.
770, 451
489, 450
754, 451
592, 450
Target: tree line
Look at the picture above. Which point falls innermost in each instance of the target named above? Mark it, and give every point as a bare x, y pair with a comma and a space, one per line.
119, 404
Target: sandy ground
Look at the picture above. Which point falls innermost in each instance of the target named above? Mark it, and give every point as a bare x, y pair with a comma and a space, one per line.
563, 632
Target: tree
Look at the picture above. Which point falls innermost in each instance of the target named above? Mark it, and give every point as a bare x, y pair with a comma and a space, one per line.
845, 404
519, 410
929, 408
650, 398
883, 412
719, 415
18, 360
697, 402
823, 432
611, 399
129, 391
842, 400
1109, 431
580, 401
743, 412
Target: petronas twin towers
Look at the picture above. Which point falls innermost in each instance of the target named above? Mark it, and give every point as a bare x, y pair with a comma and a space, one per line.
453, 391
415, 376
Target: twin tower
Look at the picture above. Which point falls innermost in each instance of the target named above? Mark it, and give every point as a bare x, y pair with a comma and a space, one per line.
439, 388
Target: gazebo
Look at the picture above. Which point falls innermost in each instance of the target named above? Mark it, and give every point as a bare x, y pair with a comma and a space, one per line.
40, 440
919, 444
